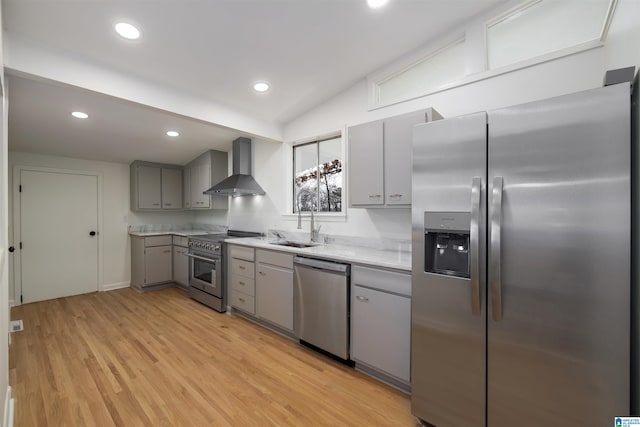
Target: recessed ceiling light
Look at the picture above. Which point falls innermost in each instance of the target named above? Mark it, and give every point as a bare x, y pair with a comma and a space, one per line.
127, 31
261, 86
374, 4
79, 115
173, 133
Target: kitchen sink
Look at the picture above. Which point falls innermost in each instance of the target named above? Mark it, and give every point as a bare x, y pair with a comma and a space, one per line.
292, 244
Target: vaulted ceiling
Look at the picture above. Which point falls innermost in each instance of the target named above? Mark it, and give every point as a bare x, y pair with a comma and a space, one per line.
210, 51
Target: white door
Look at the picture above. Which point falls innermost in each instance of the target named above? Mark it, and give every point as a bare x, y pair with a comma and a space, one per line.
58, 214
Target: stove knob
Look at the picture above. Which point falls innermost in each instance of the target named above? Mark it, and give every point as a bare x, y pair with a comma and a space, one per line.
216, 248
209, 246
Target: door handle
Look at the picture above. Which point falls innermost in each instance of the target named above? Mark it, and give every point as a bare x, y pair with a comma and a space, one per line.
92, 233
495, 267
474, 251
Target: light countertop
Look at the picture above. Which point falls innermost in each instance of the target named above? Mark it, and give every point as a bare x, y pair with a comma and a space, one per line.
183, 233
396, 259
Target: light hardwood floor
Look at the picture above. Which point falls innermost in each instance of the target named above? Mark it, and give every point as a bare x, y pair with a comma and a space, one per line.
160, 359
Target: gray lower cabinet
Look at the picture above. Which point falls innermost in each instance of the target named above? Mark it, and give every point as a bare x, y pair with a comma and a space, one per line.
241, 278
274, 288
381, 323
180, 261
151, 260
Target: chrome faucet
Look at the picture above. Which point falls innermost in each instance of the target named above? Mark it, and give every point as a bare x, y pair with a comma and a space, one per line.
313, 232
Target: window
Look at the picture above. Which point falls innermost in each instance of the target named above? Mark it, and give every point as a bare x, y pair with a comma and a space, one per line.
432, 72
540, 27
317, 180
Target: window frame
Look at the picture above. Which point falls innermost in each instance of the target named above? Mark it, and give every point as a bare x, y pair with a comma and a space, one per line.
317, 140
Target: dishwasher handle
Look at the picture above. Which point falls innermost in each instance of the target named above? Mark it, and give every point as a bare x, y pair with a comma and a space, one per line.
322, 265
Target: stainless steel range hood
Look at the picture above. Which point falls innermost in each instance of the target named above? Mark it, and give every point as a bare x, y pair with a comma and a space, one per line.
241, 183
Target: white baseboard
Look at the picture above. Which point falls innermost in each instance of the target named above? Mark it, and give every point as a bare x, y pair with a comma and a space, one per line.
8, 409
112, 286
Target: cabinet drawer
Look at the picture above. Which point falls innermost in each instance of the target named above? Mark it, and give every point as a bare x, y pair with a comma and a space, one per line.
243, 302
240, 267
243, 284
180, 241
388, 281
275, 258
241, 252
164, 240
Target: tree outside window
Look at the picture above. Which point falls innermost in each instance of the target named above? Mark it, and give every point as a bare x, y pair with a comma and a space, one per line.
317, 182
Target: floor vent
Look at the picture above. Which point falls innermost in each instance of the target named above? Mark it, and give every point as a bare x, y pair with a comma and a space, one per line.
16, 326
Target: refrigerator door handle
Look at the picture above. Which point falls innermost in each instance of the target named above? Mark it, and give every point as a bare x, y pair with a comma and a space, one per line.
496, 268
474, 251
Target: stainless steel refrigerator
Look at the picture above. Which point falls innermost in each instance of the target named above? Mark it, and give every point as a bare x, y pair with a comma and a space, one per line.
521, 264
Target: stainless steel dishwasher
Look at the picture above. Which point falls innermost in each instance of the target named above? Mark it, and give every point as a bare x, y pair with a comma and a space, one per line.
321, 295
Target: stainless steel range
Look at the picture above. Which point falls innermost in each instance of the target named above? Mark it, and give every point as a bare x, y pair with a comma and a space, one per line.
206, 267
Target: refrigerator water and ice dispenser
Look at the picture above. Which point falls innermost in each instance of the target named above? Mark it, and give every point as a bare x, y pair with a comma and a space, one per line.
446, 243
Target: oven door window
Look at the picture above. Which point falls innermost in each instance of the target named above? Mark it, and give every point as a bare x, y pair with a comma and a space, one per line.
206, 271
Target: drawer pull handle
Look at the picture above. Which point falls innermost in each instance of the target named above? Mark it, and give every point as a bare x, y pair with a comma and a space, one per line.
241, 267
262, 273
241, 283
375, 196
361, 298
156, 204
395, 195
241, 299
168, 251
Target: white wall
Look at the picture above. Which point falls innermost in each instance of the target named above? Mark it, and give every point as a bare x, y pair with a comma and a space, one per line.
4, 256
116, 216
573, 73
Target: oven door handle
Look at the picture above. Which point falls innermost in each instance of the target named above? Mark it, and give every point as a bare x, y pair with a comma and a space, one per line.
201, 258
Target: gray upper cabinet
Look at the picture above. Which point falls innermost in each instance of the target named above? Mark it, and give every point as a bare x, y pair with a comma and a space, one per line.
149, 188
366, 163
380, 160
171, 188
206, 170
155, 186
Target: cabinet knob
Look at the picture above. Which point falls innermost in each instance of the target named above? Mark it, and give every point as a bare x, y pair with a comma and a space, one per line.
92, 233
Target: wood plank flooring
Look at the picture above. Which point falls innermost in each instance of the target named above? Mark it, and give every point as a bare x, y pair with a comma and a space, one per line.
121, 358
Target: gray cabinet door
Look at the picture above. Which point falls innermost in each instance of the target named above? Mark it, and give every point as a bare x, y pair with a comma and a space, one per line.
149, 187
398, 136
186, 187
381, 331
180, 266
274, 295
171, 188
158, 265
200, 182
366, 164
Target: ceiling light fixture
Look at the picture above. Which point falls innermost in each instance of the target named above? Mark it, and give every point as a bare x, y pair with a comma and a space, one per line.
375, 4
172, 133
127, 31
79, 115
261, 86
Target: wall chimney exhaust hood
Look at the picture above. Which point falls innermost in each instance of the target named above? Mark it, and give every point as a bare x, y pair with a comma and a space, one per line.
241, 183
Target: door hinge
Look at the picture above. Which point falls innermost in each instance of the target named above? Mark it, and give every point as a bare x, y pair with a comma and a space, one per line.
20, 245
20, 188
20, 299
